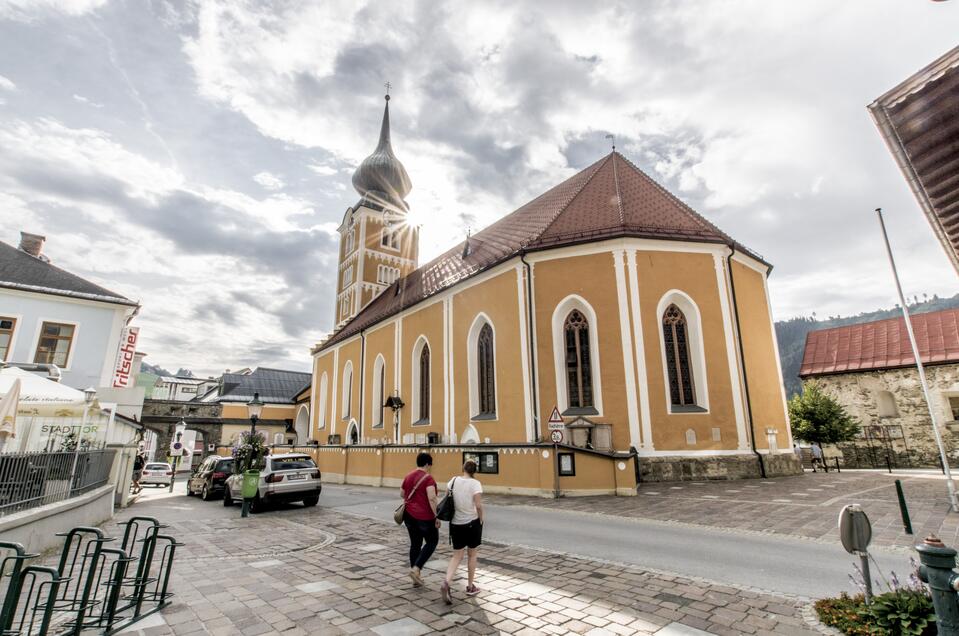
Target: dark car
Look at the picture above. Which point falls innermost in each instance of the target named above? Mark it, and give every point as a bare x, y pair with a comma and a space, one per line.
209, 478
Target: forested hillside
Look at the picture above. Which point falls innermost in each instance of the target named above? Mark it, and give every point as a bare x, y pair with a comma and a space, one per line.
792, 333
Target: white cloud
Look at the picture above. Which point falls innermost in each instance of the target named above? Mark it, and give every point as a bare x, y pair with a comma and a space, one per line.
323, 171
26, 10
269, 181
84, 100
7, 84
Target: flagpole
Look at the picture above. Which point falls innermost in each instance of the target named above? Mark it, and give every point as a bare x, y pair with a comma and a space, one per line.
953, 503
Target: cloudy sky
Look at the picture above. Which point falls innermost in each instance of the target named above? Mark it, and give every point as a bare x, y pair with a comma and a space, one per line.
197, 155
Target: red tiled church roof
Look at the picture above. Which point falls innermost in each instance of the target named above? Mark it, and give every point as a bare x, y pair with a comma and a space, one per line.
883, 344
611, 198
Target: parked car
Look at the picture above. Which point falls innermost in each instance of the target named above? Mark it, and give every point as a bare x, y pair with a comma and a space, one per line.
158, 474
288, 477
209, 478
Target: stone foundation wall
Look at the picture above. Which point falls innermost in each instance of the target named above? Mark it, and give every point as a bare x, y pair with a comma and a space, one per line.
746, 466
859, 394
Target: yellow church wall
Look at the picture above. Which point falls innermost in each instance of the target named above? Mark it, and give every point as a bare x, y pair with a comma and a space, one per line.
695, 275
426, 322
496, 297
593, 278
378, 342
759, 351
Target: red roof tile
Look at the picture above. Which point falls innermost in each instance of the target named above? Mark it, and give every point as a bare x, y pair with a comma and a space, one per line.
609, 199
882, 344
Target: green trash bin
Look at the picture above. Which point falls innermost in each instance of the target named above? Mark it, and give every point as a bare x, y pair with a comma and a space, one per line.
251, 482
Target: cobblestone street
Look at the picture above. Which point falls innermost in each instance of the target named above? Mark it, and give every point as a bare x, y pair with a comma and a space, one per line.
805, 506
320, 571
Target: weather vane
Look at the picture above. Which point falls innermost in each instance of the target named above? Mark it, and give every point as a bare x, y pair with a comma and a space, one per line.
612, 138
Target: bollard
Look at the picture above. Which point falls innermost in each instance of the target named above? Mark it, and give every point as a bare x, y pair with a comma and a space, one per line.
936, 570
906, 523
888, 463
837, 464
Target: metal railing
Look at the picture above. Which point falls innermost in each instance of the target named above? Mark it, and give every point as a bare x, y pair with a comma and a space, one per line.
94, 588
30, 480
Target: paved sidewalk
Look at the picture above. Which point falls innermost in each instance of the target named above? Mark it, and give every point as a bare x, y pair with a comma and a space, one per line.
805, 505
314, 571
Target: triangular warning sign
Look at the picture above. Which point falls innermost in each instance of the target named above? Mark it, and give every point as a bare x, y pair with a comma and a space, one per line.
555, 417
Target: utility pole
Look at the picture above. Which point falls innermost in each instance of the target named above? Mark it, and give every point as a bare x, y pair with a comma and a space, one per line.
953, 503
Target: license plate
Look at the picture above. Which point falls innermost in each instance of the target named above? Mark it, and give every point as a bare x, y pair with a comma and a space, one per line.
292, 477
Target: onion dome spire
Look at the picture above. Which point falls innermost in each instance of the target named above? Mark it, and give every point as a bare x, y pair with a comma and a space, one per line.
381, 179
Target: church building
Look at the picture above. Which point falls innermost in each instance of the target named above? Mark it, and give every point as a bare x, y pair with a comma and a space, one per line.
605, 314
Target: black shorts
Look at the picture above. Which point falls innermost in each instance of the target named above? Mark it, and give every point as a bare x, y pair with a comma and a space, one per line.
469, 535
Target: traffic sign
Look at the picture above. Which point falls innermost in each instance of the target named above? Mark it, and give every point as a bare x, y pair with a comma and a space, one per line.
855, 531
176, 449
557, 437
556, 420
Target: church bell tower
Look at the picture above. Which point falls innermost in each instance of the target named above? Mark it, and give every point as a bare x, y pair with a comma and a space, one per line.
378, 245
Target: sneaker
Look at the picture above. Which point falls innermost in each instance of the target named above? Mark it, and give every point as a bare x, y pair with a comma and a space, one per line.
417, 579
472, 590
445, 591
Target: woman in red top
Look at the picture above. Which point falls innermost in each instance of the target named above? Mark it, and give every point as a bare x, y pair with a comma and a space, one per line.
419, 492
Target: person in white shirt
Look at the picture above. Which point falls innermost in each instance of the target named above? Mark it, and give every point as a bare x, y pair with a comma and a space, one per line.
466, 528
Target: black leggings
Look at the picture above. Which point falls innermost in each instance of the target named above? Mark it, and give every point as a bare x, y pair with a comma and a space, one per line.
421, 532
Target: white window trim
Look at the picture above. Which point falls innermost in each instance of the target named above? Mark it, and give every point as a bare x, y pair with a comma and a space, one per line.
565, 306
73, 342
393, 233
17, 328
347, 389
471, 342
694, 339
324, 389
308, 427
421, 341
378, 392
352, 426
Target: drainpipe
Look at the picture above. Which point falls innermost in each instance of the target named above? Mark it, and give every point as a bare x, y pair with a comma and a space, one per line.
742, 361
532, 353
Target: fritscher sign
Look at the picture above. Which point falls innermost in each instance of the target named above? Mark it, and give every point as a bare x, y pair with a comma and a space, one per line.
124, 366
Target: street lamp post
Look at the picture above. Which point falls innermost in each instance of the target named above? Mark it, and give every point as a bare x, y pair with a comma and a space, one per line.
251, 477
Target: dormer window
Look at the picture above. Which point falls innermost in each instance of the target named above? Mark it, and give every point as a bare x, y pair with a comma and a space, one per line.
390, 238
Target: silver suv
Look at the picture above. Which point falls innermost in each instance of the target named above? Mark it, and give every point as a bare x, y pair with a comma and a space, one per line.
288, 477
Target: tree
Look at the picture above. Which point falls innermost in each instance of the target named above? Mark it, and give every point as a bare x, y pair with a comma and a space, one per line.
815, 416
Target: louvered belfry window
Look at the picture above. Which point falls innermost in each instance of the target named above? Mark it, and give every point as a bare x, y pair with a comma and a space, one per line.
579, 377
486, 376
424, 413
676, 339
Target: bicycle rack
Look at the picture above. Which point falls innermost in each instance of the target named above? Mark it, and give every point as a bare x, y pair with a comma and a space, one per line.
92, 587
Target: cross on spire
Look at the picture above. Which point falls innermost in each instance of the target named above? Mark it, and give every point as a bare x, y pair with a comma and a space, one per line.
612, 139
388, 86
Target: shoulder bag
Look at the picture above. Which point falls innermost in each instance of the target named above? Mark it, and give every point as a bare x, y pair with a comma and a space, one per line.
446, 509
401, 509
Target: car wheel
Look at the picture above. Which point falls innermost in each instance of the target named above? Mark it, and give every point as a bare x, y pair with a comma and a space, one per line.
256, 505
205, 493
227, 499
189, 491
309, 502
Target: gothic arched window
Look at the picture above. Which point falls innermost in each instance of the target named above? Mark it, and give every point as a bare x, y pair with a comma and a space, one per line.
424, 387
579, 375
676, 340
485, 372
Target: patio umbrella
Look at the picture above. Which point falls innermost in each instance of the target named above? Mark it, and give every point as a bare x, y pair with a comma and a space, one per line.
8, 413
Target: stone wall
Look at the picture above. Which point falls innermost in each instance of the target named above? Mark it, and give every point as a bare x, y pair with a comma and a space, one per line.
859, 393
719, 467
